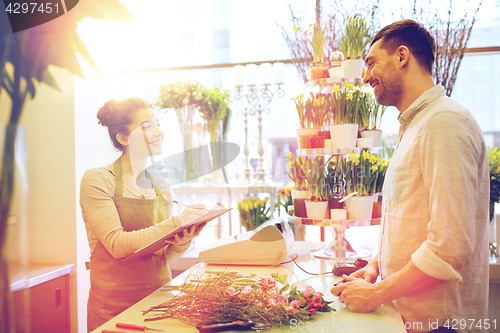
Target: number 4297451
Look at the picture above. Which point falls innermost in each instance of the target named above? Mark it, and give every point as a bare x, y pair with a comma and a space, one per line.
32, 7
470, 323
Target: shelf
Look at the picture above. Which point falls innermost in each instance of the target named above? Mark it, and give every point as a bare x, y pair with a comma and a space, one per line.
323, 86
335, 151
333, 223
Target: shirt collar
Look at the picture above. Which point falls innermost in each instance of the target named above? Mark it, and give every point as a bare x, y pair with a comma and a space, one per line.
419, 104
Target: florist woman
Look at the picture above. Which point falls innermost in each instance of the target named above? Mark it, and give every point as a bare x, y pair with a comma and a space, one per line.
122, 217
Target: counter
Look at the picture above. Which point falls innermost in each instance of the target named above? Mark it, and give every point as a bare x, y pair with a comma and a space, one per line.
41, 297
384, 319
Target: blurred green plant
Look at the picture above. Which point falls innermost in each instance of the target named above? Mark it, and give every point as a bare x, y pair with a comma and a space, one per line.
25, 58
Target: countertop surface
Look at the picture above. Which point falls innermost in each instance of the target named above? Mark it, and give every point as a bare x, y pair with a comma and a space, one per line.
385, 318
27, 276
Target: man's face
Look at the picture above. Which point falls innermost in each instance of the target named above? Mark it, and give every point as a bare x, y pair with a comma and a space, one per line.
383, 76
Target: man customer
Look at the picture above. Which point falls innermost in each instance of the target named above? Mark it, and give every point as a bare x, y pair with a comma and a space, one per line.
433, 254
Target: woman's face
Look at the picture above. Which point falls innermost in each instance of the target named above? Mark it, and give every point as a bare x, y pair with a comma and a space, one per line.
145, 137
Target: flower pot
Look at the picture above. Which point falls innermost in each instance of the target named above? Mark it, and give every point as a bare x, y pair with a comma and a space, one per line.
306, 131
353, 67
317, 142
338, 214
364, 142
325, 134
344, 135
360, 208
299, 203
375, 135
318, 71
317, 209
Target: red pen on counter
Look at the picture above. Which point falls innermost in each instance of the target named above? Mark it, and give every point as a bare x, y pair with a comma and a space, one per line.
135, 327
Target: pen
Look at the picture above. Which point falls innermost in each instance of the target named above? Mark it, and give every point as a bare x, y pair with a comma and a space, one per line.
180, 203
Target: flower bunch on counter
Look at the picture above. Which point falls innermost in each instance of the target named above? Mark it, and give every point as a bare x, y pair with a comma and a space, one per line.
365, 173
225, 296
253, 212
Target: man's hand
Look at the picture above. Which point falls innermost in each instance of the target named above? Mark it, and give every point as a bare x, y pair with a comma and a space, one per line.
369, 273
357, 294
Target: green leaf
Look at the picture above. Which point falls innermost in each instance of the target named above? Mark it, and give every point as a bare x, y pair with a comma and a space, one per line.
49, 80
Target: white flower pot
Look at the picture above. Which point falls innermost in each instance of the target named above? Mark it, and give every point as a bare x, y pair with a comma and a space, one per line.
360, 208
317, 209
375, 135
344, 135
364, 143
306, 131
353, 67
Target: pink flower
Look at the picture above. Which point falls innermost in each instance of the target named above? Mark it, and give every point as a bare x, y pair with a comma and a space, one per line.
291, 309
296, 303
270, 302
267, 281
230, 291
316, 299
306, 290
282, 300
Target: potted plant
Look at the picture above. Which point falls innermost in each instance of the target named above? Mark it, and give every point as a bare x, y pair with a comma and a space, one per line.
317, 38
345, 103
316, 204
298, 176
313, 113
371, 115
353, 45
361, 176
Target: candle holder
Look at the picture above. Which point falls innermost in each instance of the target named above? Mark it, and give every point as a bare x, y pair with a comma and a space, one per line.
258, 101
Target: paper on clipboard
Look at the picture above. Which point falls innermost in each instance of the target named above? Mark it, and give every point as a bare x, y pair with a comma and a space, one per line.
156, 245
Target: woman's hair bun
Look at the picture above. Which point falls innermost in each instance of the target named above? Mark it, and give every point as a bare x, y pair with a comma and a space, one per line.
104, 112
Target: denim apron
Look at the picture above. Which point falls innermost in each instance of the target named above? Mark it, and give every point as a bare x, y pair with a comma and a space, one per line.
117, 285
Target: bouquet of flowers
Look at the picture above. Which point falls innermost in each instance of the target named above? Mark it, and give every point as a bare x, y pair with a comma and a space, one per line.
253, 212
224, 296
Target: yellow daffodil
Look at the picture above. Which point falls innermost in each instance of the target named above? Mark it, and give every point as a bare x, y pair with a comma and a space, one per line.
349, 96
349, 85
336, 88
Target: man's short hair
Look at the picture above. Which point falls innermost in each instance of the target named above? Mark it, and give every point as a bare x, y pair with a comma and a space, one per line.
411, 34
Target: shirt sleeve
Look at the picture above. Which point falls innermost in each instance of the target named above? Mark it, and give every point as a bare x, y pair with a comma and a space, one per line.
103, 222
451, 151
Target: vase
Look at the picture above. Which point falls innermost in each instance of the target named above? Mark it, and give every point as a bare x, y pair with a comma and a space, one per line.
344, 135
360, 208
318, 71
214, 139
375, 135
353, 67
317, 209
299, 202
306, 131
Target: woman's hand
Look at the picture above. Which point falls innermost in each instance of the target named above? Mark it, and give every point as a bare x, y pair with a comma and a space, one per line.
192, 212
186, 235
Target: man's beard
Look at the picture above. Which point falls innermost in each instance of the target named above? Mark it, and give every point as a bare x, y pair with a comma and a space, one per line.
390, 92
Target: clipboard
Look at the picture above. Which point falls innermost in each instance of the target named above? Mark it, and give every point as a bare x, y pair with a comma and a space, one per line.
162, 242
